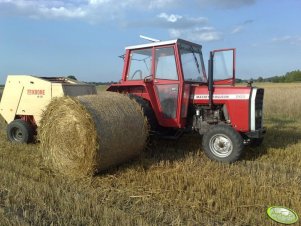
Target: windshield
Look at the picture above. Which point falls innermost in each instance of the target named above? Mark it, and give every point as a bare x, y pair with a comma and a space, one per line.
140, 64
192, 64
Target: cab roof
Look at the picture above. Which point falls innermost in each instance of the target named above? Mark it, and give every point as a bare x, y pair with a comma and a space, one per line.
162, 43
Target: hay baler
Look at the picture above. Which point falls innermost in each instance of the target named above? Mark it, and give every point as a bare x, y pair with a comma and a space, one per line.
25, 97
169, 81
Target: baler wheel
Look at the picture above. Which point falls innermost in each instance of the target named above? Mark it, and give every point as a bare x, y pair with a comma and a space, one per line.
19, 131
222, 143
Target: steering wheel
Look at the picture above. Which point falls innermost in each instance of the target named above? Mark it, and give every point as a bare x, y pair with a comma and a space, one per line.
137, 71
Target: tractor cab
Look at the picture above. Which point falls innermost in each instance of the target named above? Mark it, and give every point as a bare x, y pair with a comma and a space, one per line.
164, 72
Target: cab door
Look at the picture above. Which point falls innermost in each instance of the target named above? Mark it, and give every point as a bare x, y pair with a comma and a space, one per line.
167, 86
224, 66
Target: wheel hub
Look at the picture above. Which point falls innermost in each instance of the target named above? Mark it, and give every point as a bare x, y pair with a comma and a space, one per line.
17, 134
221, 145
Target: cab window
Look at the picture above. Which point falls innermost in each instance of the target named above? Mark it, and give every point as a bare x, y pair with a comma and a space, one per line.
223, 64
140, 64
166, 64
192, 64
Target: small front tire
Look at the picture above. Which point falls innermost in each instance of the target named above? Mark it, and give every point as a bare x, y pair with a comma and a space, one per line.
19, 131
222, 143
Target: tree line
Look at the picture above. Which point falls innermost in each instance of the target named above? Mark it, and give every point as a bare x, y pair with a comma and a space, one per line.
292, 76
92, 83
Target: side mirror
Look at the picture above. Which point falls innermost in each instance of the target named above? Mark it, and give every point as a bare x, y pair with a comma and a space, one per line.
148, 78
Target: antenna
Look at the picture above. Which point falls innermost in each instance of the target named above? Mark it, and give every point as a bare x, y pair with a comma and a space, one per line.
149, 39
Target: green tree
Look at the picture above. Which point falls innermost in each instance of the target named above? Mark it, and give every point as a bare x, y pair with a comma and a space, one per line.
260, 79
293, 76
72, 77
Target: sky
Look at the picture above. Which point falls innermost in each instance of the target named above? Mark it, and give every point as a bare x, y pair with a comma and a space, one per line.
85, 37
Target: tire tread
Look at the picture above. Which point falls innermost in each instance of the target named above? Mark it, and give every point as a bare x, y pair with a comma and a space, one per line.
25, 126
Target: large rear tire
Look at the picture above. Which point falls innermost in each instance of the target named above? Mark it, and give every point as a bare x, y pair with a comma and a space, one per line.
20, 131
222, 143
148, 112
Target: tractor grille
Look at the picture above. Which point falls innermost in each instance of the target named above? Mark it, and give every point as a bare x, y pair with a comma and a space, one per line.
259, 108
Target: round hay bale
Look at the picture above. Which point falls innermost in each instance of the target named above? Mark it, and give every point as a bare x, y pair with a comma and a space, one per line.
83, 135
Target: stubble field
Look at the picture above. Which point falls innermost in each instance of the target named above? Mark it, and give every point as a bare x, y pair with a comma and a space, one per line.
172, 183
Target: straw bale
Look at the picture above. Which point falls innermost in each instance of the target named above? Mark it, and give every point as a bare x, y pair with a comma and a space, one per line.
83, 135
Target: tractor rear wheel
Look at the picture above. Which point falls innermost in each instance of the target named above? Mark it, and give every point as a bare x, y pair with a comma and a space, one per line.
148, 112
19, 131
222, 143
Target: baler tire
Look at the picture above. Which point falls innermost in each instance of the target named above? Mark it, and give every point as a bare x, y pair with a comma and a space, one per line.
222, 143
20, 131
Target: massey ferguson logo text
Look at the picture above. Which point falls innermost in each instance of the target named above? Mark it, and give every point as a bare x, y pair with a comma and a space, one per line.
221, 96
39, 92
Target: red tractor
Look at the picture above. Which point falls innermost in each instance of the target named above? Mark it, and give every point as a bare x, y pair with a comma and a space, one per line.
168, 79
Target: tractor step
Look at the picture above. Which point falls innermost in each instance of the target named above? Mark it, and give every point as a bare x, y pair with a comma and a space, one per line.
168, 134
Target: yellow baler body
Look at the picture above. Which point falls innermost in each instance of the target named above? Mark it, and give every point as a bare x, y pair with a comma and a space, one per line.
26, 95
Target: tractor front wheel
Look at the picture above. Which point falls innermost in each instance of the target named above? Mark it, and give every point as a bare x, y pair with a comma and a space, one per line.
222, 143
19, 131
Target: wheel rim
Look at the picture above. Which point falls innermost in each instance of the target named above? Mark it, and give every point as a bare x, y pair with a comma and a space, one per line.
221, 145
17, 134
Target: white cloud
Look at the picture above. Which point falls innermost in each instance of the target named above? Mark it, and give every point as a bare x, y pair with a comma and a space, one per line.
169, 21
206, 34
91, 10
186, 27
160, 4
237, 29
98, 2
176, 21
197, 34
282, 39
192, 28
100, 9
292, 40
85, 9
63, 12
228, 4
241, 27
48, 9
170, 18
175, 33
